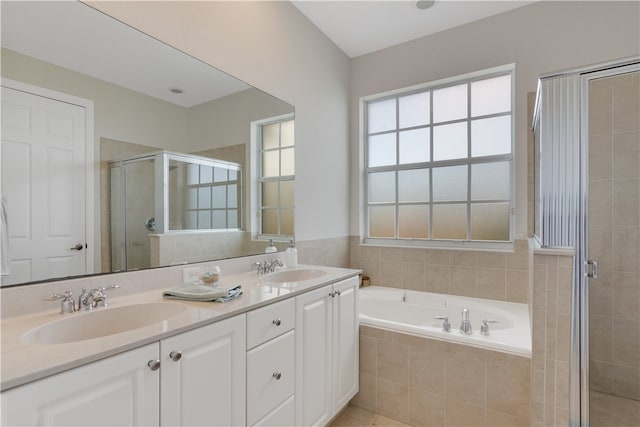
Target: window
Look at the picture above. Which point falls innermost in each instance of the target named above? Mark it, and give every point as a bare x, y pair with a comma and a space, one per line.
438, 162
276, 151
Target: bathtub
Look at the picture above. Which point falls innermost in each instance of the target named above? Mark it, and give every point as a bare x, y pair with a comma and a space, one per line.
413, 312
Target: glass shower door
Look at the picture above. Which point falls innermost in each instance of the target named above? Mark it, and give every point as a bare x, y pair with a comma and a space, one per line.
614, 242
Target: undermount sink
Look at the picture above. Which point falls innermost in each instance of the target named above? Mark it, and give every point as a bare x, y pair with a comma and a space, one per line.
102, 322
297, 275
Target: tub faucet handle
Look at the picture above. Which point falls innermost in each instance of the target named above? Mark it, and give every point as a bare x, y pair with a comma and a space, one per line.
465, 325
446, 326
484, 328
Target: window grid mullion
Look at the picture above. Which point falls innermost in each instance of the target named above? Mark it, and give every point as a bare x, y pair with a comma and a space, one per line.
469, 161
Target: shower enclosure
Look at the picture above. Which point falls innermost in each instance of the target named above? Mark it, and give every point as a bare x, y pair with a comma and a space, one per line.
163, 193
587, 197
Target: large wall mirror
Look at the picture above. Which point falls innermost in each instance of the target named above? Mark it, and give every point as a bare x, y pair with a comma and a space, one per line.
93, 110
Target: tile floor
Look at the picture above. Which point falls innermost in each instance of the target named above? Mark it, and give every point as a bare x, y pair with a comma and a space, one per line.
358, 417
606, 410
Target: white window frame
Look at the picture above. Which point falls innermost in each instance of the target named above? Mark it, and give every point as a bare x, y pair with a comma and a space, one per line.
255, 162
510, 158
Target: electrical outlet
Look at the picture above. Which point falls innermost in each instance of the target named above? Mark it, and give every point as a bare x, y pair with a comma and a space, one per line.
191, 274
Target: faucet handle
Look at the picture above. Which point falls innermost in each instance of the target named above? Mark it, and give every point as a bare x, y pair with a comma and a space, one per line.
446, 326
484, 328
67, 305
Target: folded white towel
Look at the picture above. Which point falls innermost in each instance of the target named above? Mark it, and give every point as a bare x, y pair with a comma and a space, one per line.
194, 291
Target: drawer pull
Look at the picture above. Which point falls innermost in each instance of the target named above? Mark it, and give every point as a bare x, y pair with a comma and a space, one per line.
175, 355
277, 322
277, 375
154, 365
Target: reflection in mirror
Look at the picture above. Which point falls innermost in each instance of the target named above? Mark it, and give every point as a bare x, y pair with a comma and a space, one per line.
128, 105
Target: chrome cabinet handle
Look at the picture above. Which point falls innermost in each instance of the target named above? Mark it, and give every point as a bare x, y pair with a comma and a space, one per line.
154, 364
592, 268
277, 322
175, 355
277, 375
77, 247
334, 293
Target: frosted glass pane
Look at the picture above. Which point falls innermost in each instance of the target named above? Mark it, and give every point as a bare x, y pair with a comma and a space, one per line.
204, 220
219, 219
490, 221
193, 174
204, 198
286, 194
220, 197
491, 136
190, 220
414, 110
220, 175
382, 187
192, 198
382, 150
413, 222
287, 134
270, 194
286, 222
382, 221
450, 141
491, 96
450, 183
271, 136
450, 222
381, 115
414, 146
206, 174
269, 221
413, 185
490, 181
270, 163
450, 103
232, 196
288, 162
232, 219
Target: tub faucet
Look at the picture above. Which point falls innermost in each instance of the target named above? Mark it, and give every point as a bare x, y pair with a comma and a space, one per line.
446, 326
465, 325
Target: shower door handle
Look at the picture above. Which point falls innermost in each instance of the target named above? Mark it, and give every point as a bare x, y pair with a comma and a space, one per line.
592, 268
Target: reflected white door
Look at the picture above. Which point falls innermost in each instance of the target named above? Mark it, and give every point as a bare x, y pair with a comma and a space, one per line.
43, 183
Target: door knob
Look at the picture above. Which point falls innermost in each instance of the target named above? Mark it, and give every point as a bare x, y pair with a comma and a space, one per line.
175, 355
154, 364
77, 247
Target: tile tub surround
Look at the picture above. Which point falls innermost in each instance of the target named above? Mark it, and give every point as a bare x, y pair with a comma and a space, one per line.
22, 363
502, 276
426, 382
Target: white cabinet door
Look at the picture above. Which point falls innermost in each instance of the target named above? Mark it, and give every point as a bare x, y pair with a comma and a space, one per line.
345, 340
206, 384
119, 391
313, 357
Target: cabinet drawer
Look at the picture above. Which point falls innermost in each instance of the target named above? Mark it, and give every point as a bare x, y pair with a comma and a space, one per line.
282, 416
269, 322
270, 376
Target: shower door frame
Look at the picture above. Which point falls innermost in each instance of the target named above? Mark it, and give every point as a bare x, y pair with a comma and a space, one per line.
579, 393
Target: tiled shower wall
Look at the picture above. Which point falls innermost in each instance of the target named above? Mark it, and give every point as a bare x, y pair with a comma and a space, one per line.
614, 194
481, 274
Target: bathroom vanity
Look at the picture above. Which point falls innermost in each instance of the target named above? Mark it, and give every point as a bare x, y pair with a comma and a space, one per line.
285, 353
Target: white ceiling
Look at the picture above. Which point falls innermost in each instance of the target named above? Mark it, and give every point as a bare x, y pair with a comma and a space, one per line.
74, 36
360, 27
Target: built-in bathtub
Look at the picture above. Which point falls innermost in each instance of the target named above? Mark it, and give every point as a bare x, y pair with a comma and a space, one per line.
414, 312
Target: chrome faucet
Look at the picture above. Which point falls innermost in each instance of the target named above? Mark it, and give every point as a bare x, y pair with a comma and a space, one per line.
484, 328
465, 325
97, 297
67, 305
266, 267
446, 326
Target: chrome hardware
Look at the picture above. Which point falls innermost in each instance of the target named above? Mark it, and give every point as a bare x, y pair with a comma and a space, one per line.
260, 266
484, 328
266, 267
277, 322
175, 355
77, 247
67, 305
150, 224
154, 365
277, 375
465, 325
446, 326
338, 292
335, 293
88, 300
592, 268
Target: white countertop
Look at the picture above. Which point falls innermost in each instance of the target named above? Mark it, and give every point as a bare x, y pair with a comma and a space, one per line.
22, 363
